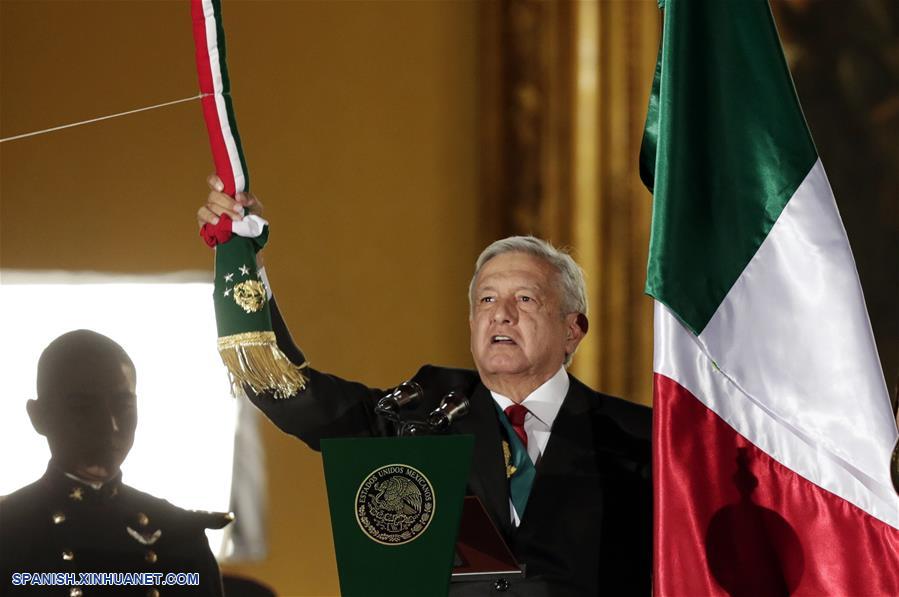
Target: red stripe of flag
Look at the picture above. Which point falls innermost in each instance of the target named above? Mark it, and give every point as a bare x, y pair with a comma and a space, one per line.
732, 520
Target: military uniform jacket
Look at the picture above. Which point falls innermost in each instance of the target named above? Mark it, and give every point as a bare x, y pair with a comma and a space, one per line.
57, 524
587, 528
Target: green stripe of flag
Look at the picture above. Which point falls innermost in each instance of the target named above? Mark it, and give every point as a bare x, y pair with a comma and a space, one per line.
220, 44
725, 147
226, 89
232, 122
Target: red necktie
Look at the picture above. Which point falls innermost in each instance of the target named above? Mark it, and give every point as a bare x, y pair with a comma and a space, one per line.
516, 414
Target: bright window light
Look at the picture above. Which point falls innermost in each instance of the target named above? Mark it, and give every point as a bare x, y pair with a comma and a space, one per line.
183, 448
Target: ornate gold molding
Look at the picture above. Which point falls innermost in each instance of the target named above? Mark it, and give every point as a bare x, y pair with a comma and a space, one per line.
565, 89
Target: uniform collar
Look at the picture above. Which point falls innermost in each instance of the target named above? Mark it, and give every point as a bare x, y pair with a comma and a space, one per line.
544, 402
72, 488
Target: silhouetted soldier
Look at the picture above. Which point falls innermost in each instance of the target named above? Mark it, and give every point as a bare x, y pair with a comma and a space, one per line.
80, 517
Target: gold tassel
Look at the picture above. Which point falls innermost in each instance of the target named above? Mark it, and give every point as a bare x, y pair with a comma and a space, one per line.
253, 358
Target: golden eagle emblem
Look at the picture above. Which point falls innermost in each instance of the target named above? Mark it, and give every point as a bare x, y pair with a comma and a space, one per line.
395, 504
398, 495
250, 295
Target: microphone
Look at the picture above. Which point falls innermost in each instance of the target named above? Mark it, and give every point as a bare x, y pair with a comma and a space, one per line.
406, 394
453, 407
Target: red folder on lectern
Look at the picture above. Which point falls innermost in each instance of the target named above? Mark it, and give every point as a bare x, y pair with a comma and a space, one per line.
481, 553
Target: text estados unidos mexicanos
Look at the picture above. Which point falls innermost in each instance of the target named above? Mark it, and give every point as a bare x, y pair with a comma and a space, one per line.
94, 579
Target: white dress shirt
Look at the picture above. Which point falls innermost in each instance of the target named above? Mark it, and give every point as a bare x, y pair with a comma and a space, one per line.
543, 405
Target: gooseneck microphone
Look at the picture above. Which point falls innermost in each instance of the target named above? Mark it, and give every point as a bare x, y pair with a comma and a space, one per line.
405, 395
453, 407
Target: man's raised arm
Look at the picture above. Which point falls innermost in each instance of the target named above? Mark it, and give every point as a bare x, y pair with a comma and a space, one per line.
328, 406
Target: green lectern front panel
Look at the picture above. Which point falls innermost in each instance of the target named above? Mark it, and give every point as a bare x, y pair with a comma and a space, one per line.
395, 507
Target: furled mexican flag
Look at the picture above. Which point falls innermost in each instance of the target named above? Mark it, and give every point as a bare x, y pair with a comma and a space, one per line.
246, 342
773, 428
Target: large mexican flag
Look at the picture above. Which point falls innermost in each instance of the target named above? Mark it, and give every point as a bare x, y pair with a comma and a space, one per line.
773, 428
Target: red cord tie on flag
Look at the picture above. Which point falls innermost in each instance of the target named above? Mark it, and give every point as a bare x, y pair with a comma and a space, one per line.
217, 234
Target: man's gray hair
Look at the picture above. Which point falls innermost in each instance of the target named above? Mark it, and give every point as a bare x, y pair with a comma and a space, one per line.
571, 276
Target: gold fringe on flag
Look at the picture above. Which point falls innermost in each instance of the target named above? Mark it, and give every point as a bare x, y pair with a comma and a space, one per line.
253, 358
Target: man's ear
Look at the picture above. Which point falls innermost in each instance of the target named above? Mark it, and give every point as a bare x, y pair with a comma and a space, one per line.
583, 323
577, 328
38, 416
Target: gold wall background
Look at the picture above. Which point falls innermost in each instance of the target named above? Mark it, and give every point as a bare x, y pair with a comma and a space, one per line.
357, 120
564, 98
390, 141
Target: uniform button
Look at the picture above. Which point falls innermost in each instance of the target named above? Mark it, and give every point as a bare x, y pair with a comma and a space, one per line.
152, 593
75, 592
142, 519
58, 517
68, 555
501, 585
150, 556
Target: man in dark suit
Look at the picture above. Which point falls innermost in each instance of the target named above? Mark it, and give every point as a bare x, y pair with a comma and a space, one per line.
576, 508
79, 517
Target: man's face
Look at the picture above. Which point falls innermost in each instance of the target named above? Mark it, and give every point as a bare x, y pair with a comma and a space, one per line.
89, 416
517, 328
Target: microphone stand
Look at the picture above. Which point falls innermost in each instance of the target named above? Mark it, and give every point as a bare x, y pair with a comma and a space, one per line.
452, 407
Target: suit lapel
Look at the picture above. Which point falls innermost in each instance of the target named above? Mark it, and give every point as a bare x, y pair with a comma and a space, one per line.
571, 433
569, 453
488, 473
